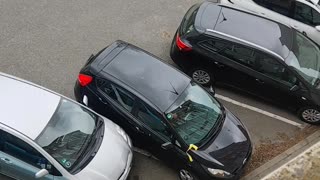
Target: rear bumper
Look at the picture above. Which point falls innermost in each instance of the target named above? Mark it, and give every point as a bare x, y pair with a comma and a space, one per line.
181, 59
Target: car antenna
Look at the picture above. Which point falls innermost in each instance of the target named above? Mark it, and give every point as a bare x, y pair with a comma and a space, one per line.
231, 2
224, 18
175, 91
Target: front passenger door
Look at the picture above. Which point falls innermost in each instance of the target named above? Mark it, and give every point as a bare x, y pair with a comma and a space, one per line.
274, 80
157, 133
19, 160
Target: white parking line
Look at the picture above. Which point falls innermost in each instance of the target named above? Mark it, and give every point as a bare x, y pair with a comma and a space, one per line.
260, 111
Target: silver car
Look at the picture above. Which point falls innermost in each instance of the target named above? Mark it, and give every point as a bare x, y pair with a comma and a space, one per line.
44, 135
303, 15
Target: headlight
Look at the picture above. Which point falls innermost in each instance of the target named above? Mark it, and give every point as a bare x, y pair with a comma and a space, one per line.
122, 133
219, 173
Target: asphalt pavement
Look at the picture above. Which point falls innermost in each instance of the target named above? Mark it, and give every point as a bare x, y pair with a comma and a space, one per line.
47, 42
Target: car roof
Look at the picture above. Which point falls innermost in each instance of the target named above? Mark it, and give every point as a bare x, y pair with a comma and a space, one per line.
246, 28
156, 81
25, 107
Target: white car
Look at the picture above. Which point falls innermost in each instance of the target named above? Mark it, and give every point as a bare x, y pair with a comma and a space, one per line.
303, 15
44, 135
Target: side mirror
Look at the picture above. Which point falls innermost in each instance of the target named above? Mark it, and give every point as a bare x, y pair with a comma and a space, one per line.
41, 173
294, 88
167, 146
212, 91
318, 28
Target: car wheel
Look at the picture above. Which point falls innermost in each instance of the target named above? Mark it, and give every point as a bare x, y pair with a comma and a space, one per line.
187, 175
310, 115
201, 76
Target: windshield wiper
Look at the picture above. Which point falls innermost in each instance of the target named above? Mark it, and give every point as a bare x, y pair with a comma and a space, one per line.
214, 130
90, 146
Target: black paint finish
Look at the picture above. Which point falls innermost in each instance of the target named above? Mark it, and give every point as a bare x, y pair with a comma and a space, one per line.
157, 84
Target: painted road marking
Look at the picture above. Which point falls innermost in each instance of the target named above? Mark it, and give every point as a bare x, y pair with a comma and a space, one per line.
260, 111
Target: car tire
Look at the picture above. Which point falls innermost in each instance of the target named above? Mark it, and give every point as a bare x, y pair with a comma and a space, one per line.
187, 175
309, 115
201, 76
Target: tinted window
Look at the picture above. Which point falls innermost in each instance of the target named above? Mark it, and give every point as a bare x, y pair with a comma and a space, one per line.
316, 17
274, 69
281, 7
306, 14
240, 54
152, 119
188, 21
19, 149
212, 45
123, 97
107, 88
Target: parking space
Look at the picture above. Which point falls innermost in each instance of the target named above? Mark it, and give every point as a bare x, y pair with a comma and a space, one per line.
264, 120
47, 42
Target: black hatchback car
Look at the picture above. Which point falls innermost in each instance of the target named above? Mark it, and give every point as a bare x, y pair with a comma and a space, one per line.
262, 57
164, 112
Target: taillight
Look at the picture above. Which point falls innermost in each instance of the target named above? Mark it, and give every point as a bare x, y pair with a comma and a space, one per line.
181, 45
84, 79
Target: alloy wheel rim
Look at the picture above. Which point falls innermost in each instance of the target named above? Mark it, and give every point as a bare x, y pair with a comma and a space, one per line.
311, 115
201, 76
185, 175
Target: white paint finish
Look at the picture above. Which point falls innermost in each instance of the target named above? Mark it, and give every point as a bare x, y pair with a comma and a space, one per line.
315, 2
260, 111
24, 107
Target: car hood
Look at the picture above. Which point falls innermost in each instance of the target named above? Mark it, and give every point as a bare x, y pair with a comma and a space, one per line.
112, 158
231, 147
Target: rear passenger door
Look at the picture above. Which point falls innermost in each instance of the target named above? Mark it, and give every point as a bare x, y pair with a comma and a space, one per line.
229, 62
240, 60
118, 105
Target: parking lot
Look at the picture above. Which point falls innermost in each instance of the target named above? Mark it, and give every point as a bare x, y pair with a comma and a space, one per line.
47, 42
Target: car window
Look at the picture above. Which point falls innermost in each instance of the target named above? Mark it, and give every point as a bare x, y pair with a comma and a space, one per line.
274, 69
306, 14
123, 97
282, 7
315, 17
239, 54
152, 119
21, 150
212, 45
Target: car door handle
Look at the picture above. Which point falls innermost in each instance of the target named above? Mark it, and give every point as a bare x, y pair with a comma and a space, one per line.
260, 81
139, 130
219, 64
6, 160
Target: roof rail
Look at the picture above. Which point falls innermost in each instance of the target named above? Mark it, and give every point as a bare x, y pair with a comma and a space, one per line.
244, 41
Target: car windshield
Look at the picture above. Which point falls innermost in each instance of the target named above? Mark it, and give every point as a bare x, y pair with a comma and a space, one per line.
68, 133
194, 114
305, 59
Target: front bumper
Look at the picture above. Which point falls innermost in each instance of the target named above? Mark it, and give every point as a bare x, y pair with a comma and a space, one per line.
127, 169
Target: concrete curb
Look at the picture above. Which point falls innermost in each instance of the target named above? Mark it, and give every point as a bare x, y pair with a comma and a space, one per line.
284, 157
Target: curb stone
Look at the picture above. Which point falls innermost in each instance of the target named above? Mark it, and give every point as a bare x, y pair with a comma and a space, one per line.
284, 157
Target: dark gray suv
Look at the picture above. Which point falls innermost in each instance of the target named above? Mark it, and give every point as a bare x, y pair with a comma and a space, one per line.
262, 57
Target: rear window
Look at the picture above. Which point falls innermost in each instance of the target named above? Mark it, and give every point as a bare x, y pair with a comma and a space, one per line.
188, 20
